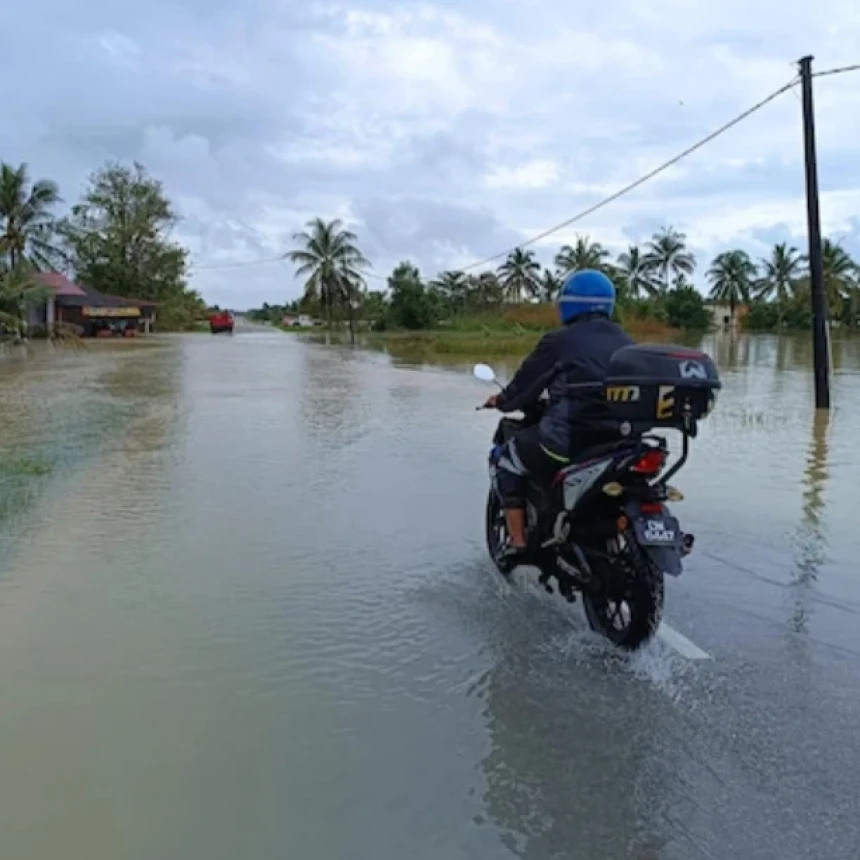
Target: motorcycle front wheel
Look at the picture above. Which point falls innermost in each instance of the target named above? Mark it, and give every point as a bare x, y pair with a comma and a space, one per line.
627, 608
496, 533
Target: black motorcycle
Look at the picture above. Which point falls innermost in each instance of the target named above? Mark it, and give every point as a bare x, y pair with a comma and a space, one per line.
603, 528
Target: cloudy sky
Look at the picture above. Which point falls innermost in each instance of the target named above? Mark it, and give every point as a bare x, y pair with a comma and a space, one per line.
442, 132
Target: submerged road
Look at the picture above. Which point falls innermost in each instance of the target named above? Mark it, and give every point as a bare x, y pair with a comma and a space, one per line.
245, 611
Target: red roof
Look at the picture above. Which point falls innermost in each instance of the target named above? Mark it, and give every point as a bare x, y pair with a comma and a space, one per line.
60, 284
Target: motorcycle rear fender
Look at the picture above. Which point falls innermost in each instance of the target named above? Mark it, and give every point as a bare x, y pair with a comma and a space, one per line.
665, 559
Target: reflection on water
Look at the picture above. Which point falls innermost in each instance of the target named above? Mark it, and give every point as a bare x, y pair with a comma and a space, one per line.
737, 352
571, 774
810, 538
734, 353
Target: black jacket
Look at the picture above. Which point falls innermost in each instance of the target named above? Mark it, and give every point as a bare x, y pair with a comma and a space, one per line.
577, 353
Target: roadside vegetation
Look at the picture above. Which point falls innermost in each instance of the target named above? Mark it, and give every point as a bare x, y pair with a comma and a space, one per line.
506, 310
116, 239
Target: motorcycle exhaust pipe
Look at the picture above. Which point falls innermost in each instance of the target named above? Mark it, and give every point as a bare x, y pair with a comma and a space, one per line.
687, 542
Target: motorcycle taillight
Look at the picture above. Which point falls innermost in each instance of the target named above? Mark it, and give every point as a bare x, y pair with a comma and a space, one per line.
650, 463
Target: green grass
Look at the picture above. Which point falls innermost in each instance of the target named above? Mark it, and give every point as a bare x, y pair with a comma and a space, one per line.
498, 342
511, 332
33, 467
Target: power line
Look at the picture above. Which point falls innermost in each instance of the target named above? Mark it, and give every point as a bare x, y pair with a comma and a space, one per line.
279, 259
837, 71
641, 181
240, 263
594, 208
263, 260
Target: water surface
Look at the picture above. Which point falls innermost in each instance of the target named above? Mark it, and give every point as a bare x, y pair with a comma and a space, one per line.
247, 613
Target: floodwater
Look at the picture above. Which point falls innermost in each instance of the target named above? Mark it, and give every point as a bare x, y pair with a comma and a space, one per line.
245, 612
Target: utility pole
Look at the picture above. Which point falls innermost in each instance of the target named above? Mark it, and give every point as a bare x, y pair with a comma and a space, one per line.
820, 331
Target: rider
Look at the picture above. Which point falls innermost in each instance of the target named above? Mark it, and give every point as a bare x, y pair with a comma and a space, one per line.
578, 352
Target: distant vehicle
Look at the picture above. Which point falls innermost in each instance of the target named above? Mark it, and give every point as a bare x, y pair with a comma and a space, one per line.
221, 322
299, 321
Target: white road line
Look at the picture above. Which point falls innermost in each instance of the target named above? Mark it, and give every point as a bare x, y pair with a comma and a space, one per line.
681, 643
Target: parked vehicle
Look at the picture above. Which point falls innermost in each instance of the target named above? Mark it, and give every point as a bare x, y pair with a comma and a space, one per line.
603, 528
221, 322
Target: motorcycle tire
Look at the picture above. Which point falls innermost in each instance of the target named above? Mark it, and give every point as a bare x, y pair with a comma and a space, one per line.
643, 596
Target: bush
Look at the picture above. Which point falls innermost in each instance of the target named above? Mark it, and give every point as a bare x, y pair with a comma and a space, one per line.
762, 316
685, 308
542, 316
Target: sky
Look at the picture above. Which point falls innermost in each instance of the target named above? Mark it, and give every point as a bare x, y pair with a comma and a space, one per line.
441, 133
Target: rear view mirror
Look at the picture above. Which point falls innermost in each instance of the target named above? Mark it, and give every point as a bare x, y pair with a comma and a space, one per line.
484, 372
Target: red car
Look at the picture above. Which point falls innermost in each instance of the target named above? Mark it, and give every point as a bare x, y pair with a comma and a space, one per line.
221, 322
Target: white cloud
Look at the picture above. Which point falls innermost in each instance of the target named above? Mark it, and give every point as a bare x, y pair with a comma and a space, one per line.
533, 174
119, 49
442, 135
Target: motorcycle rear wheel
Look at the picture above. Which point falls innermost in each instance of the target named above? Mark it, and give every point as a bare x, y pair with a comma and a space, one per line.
635, 599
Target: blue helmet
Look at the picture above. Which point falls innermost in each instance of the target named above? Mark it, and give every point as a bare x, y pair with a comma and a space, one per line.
585, 292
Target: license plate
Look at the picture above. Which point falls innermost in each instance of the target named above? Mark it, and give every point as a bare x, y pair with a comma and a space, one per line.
657, 531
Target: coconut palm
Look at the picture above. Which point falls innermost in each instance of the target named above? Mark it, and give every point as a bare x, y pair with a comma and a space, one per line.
329, 258
454, 286
519, 274
780, 274
350, 291
485, 288
636, 273
840, 276
667, 255
19, 290
732, 275
27, 225
548, 287
584, 254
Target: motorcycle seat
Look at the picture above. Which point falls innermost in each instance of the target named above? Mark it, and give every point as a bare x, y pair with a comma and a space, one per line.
600, 449
589, 453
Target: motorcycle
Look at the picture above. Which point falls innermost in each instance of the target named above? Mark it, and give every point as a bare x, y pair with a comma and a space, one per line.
603, 527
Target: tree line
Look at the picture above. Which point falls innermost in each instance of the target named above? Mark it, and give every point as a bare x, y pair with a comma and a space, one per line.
115, 239
654, 280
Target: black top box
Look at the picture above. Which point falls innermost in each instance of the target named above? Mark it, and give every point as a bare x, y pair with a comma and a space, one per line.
661, 385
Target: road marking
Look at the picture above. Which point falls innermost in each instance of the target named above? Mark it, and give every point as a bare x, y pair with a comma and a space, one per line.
681, 643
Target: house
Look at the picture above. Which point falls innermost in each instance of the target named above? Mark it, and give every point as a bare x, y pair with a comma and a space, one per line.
88, 310
722, 317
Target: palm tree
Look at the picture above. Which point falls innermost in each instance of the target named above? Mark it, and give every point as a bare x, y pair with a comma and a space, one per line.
667, 254
584, 254
329, 257
485, 288
732, 275
637, 274
351, 287
27, 226
19, 290
840, 276
548, 287
519, 273
454, 286
780, 276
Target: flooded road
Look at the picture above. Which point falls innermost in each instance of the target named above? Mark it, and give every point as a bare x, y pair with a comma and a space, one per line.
245, 612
